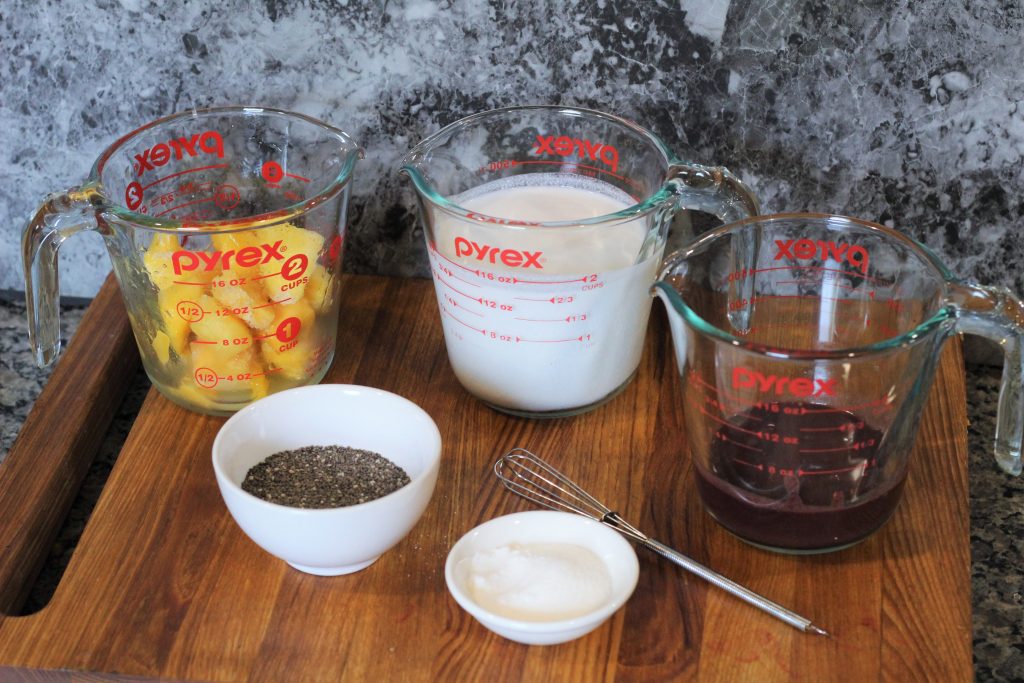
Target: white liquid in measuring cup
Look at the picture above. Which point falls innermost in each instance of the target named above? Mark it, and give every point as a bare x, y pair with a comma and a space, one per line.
543, 319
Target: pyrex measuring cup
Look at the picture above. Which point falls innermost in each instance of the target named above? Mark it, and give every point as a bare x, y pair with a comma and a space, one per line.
225, 230
545, 227
801, 411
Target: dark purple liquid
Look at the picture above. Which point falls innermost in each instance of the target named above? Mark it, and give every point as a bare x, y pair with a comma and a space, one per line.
799, 476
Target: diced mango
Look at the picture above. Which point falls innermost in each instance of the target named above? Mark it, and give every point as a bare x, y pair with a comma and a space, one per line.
247, 301
289, 349
289, 277
223, 334
162, 346
319, 289
259, 386
282, 312
239, 377
174, 323
157, 259
235, 242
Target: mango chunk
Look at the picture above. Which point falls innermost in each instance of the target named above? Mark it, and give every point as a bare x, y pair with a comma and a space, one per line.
238, 377
176, 304
319, 290
220, 332
161, 346
247, 301
288, 277
234, 242
157, 259
290, 342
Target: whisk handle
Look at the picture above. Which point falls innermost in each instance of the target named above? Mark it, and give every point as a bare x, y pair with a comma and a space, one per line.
716, 579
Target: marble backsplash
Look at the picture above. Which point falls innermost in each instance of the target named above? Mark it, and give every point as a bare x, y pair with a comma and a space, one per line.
907, 113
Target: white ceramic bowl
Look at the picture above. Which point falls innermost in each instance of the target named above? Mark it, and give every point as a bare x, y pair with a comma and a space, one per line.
544, 526
334, 540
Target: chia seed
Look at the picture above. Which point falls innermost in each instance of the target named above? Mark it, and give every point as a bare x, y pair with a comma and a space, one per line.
324, 477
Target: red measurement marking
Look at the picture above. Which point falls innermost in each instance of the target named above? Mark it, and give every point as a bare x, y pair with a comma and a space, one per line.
433, 248
450, 315
297, 177
852, 273
759, 466
840, 428
517, 281
183, 282
854, 447
832, 283
180, 173
456, 304
877, 403
440, 279
742, 445
809, 297
729, 424
844, 470
452, 274
265, 336
198, 341
182, 206
717, 392
206, 378
537, 320
272, 303
263, 277
550, 341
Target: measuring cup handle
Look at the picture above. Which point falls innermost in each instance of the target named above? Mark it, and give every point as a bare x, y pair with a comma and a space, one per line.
61, 215
713, 190
997, 314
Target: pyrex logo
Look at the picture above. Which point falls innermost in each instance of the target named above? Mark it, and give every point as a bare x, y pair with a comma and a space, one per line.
564, 146
159, 154
246, 257
513, 258
745, 378
856, 256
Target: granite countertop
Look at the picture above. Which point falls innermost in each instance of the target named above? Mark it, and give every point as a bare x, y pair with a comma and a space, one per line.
997, 499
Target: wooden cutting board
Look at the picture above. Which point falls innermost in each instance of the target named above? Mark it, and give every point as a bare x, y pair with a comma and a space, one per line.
163, 583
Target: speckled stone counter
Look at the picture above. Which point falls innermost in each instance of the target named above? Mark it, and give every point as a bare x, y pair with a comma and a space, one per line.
997, 500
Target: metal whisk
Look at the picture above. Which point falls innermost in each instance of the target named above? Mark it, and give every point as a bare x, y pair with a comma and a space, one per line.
527, 475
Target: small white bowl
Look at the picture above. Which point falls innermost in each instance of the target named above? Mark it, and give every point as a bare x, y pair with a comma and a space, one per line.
329, 541
544, 526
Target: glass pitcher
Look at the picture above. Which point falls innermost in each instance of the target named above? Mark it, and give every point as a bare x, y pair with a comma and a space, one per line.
225, 230
807, 345
545, 227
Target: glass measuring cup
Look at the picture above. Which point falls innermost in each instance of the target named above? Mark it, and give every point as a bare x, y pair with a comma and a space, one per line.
225, 230
806, 345
545, 227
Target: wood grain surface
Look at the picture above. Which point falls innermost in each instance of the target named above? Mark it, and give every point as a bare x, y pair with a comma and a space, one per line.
163, 583
45, 467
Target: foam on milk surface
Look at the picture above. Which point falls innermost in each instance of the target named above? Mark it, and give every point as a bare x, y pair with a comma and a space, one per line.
562, 327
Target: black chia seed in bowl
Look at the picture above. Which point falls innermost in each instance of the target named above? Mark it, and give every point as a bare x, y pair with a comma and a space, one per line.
324, 477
